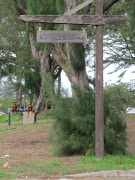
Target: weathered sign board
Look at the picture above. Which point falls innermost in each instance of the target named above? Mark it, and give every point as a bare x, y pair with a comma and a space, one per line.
61, 36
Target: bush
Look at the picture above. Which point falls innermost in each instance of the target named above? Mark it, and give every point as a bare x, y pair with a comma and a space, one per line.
73, 130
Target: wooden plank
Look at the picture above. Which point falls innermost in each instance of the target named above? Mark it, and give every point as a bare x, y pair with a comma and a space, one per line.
73, 19
79, 7
113, 19
61, 36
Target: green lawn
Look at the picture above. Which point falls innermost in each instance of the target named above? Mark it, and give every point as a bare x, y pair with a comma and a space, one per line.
107, 163
14, 118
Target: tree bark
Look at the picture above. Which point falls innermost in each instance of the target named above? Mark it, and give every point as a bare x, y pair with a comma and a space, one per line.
24, 100
59, 85
47, 65
19, 97
106, 8
41, 104
79, 77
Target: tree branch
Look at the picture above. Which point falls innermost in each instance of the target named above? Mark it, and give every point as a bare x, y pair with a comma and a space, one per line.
54, 74
35, 53
19, 9
88, 9
59, 56
9, 60
8, 73
128, 47
108, 6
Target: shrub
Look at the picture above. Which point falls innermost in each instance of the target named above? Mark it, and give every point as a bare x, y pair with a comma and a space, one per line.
73, 130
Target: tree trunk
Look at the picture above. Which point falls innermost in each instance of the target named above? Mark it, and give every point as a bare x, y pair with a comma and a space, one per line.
41, 104
44, 64
19, 97
59, 85
24, 100
76, 77
47, 65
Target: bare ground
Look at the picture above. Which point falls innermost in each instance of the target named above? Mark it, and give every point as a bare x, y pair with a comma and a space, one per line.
29, 142
131, 133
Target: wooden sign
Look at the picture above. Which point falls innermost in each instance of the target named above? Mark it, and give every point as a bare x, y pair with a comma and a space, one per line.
73, 19
61, 36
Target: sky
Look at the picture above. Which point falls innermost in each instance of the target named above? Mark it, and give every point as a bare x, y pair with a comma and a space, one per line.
113, 78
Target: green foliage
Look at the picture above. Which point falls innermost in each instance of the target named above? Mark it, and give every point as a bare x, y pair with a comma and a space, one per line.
35, 7
77, 56
6, 103
120, 37
119, 96
59, 7
16, 52
6, 90
14, 118
74, 127
115, 134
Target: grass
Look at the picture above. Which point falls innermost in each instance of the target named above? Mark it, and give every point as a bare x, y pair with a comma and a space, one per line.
8, 175
130, 116
106, 163
17, 118
4, 173
4, 119
46, 118
35, 168
14, 118
2, 129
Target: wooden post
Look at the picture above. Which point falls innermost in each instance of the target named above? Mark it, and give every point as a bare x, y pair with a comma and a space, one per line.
35, 116
99, 105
